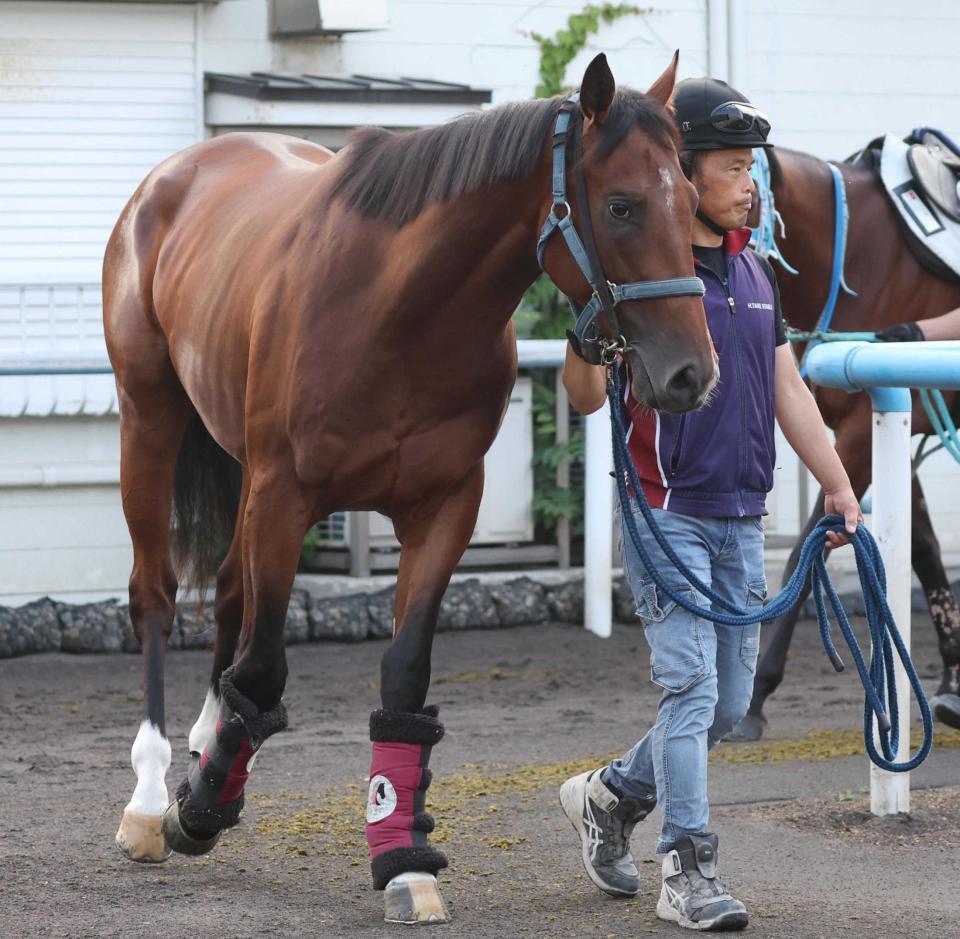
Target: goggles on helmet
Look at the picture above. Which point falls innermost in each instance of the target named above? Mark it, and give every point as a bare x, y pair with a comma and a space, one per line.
733, 117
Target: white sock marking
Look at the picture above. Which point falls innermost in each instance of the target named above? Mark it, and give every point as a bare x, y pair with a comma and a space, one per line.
150, 756
206, 723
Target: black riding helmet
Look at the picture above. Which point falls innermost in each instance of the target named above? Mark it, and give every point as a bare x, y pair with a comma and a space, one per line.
711, 115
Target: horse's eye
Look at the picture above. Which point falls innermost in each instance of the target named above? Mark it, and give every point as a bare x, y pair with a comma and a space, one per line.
620, 210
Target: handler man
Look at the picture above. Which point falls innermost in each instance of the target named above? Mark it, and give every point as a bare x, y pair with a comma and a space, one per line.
706, 473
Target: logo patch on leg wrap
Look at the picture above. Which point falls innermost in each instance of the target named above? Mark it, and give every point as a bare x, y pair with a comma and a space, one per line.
381, 799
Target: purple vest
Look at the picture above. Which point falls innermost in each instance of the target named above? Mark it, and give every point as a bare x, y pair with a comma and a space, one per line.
718, 461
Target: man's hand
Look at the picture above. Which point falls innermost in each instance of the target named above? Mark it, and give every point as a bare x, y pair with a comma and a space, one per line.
902, 332
842, 502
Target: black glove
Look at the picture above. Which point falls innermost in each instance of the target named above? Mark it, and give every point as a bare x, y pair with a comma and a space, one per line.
901, 332
588, 351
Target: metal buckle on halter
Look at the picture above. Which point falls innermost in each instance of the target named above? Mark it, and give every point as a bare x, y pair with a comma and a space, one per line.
567, 211
611, 301
611, 348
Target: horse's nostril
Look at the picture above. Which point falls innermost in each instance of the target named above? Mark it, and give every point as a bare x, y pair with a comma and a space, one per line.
684, 380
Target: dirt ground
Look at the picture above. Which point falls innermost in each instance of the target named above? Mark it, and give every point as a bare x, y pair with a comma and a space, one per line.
523, 708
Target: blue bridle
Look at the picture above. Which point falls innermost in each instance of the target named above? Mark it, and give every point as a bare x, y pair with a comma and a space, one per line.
606, 295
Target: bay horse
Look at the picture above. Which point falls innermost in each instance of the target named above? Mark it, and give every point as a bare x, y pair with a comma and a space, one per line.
891, 287
295, 332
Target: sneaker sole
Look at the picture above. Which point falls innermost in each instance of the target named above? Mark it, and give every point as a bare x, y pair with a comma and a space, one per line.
946, 709
574, 812
726, 922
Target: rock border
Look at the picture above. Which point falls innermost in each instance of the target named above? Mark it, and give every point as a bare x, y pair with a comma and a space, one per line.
47, 625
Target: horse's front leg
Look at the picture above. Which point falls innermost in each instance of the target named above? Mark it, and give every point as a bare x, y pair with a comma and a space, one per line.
403, 730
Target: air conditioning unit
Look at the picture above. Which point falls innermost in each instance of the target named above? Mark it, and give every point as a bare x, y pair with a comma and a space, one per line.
327, 17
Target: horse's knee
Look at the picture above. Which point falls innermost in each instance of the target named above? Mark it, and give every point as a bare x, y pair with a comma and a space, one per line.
261, 681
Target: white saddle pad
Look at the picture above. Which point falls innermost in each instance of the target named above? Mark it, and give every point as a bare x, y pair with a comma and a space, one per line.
938, 232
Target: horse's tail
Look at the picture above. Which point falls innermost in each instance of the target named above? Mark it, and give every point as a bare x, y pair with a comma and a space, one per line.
206, 497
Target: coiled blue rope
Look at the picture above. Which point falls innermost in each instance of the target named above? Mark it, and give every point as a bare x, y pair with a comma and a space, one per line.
878, 679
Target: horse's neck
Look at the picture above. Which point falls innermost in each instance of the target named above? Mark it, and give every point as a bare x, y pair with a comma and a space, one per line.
473, 258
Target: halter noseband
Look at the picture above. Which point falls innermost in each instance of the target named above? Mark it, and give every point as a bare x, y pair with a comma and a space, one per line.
606, 295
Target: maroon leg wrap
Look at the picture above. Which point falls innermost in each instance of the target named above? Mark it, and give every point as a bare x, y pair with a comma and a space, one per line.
397, 824
211, 797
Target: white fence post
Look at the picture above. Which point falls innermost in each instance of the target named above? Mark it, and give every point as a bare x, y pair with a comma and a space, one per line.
890, 792
598, 524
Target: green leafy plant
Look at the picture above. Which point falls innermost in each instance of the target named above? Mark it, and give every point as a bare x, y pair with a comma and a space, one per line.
559, 50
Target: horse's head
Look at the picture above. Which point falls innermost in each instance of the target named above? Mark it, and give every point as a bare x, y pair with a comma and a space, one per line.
641, 210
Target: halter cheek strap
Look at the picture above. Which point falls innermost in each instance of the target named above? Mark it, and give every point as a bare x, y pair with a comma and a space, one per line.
606, 295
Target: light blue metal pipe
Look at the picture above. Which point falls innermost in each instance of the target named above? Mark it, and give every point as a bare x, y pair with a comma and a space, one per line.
886, 370
860, 365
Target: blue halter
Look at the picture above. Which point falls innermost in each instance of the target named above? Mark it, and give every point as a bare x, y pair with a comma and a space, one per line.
606, 295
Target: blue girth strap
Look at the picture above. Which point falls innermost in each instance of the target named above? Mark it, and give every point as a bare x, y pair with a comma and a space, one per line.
606, 295
841, 222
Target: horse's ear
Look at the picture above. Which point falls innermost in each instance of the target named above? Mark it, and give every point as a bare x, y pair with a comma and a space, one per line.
662, 89
597, 90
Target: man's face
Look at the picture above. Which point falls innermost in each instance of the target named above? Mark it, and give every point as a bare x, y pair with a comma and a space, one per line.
726, 188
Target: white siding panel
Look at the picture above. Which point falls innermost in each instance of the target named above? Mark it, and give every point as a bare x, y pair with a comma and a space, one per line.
488, 45
834, 76
94, 95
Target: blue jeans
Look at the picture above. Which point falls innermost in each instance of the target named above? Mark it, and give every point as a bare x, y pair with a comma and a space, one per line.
705, 670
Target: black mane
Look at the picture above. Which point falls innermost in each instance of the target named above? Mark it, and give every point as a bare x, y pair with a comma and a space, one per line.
394, 177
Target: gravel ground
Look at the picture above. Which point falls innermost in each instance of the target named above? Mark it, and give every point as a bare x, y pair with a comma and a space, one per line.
523, 708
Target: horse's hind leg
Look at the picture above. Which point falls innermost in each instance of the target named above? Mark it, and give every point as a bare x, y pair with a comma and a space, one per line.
928, 564
211, 798
403, 731
152, 422
228, 615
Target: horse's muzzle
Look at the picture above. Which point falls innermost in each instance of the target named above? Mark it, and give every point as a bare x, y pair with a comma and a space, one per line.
686, 388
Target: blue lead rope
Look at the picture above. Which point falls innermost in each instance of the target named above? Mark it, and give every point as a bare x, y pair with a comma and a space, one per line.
878, 680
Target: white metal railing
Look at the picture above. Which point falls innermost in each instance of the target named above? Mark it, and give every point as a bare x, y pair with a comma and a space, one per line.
51, 317
53, 360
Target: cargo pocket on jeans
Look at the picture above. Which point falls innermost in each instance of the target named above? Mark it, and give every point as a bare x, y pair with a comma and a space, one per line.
677, 659
750, 636
678, 666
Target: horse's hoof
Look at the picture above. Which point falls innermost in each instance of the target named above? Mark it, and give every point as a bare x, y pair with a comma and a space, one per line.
749, 729
178, 840
414, 898
946, 708
140, 838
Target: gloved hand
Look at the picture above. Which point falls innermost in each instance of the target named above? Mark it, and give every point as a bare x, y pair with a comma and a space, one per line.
901, 332
588, 351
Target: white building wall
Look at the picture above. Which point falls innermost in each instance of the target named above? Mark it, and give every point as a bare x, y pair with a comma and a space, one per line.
93, 96
834, 75
485, 43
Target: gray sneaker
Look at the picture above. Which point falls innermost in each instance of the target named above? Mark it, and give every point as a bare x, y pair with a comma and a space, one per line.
692, 894
604, 823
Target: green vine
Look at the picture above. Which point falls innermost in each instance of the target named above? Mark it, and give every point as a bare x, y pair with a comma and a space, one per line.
558, 52
543, 312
